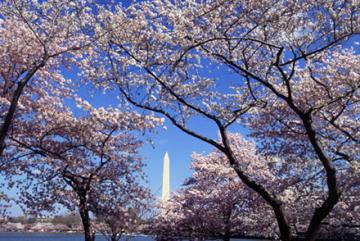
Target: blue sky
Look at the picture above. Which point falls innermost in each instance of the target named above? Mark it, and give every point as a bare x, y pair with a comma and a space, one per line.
166, 138
179, 146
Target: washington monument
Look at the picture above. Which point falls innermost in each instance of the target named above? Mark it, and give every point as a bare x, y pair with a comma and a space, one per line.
166, 179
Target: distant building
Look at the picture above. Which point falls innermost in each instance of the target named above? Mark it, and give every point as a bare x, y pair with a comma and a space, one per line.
166, 180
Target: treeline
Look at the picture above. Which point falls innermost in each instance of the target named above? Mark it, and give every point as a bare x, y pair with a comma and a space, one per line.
71, 220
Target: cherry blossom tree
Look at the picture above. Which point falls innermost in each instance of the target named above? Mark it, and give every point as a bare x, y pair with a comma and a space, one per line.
214, 203
78, 161
286, 71
120, 213
39, 39
342, 223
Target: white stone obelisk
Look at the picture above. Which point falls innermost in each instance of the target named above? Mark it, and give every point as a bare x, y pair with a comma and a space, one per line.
166, 180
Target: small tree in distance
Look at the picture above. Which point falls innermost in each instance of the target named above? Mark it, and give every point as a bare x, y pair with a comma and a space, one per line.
120, 209
71, 220
117, 218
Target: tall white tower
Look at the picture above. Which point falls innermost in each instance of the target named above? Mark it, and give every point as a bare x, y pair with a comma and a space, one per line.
166, 179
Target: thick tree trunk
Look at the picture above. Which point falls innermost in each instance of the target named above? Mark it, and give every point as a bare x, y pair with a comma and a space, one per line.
228, 225
226, 238
85, 218
115, 237
283, 223
333, 190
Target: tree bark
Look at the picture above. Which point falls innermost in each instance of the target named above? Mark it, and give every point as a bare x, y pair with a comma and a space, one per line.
115, 237
85, 218
333, 190
226, 238
227, 216
283, 223
276, 204
13, 105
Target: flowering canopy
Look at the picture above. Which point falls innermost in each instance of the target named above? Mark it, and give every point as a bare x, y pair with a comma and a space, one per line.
287, 71
215, 203
38, 41
291, 82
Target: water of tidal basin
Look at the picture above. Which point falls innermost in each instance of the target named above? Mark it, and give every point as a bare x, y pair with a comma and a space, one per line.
66, 237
